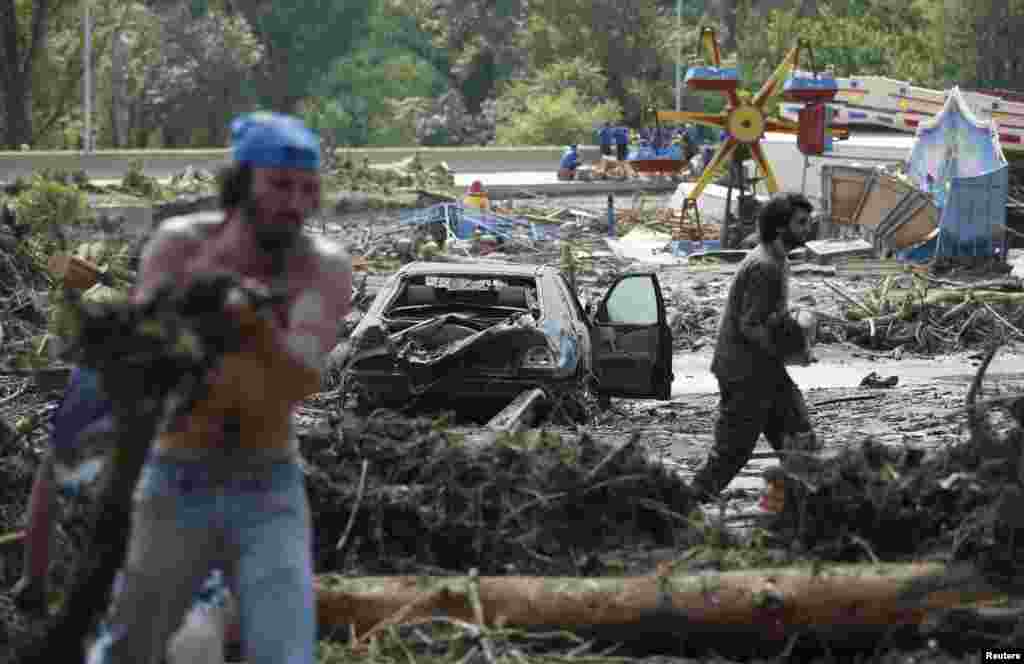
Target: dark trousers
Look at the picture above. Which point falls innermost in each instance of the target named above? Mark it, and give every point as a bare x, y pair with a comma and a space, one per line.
620, 151
773, 406
606, 149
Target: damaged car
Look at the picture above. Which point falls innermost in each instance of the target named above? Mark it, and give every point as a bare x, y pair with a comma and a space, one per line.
468, 332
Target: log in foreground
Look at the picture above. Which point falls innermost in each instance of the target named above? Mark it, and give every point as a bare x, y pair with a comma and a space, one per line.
774, 602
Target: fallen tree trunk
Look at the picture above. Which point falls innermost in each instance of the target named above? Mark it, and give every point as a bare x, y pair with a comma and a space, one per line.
773, 603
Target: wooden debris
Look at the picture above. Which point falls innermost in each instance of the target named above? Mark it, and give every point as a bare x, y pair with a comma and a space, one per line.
772, 603
612, 169
520, 413
830, 250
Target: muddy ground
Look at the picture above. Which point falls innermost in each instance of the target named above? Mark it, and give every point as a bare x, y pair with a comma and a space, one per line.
412, 456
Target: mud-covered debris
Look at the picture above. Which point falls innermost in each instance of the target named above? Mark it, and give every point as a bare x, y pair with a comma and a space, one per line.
694, 324
928, 315
528, 502
406, 173
876, 381
883, 501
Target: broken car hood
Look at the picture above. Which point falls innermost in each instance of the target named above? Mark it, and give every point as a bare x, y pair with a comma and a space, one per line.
510, 336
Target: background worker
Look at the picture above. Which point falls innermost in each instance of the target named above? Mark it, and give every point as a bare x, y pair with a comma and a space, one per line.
223, 486
569, 163
757, 336
621, 142
604, 136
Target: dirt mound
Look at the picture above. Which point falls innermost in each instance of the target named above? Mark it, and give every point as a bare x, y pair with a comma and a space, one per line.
529, 503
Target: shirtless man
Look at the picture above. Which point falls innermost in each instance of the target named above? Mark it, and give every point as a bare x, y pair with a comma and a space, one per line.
223, 486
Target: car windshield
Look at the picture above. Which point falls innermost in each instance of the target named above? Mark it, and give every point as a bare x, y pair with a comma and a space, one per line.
454, 292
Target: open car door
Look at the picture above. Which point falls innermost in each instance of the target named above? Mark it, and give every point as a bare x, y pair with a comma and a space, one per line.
633, 343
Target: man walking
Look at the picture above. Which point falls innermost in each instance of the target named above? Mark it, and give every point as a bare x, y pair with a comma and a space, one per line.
223, 486
757, 336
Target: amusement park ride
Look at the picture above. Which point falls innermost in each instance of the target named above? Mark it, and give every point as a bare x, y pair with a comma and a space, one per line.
745, 120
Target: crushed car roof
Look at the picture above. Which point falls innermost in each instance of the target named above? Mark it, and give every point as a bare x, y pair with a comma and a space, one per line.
482, 269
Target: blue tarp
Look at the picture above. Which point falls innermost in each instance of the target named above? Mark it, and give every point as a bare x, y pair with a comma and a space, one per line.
647, 152
922, 253
957, 158
463, 222
973, 208
687, 247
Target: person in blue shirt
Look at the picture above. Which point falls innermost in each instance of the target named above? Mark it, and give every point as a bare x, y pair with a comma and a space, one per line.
621, 142
569, 163
605, 135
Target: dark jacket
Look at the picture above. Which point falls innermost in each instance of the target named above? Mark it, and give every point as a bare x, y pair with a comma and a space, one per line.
756, 333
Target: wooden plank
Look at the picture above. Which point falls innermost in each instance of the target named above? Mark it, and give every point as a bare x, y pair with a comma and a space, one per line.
831, 250
921, 226
911, 222
845, 187
520, 414
882, 195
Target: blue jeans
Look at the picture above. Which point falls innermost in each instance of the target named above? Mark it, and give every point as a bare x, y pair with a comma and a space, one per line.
251, 519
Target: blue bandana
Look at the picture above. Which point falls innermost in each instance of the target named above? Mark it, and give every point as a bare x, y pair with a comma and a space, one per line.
272, 140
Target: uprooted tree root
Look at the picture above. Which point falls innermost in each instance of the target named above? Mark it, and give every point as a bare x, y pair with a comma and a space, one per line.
933, 316
881, 501
533, 502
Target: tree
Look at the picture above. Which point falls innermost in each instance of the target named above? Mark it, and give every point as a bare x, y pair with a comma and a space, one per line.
481, 41
20, 52
620, 37
866, 41
556, 118
983, 35
301, 40
41, 69
366, 96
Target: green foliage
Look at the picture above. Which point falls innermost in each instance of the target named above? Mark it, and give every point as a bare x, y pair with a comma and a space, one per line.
562, 103
302, 41
370, 96
364, 69
980, 39
586, 76
864, 38
623, 39
554, 119
49, 204
136, 182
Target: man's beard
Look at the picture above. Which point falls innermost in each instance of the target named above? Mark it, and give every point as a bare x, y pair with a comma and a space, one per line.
276, 239
792, 240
